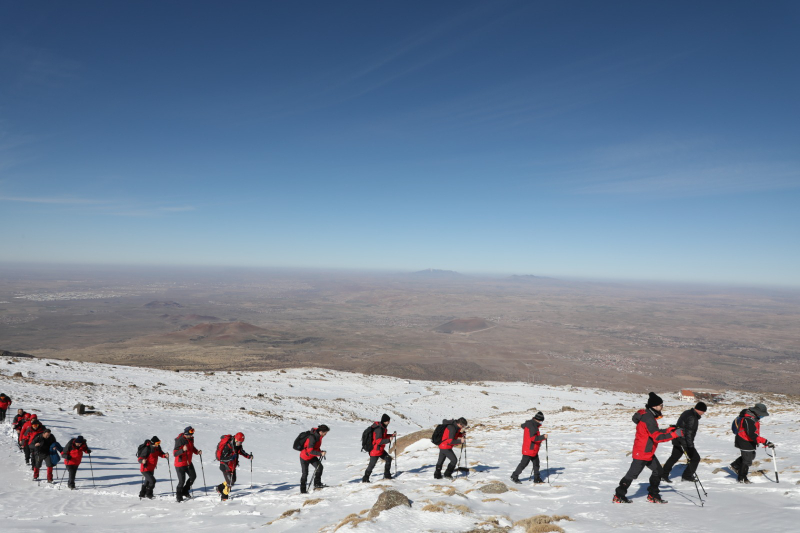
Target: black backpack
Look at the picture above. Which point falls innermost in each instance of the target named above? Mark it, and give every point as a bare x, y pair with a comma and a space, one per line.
143, 450
68, 448
438, 433
300, 441
366, 437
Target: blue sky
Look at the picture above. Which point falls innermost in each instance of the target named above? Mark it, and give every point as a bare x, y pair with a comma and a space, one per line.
641, 140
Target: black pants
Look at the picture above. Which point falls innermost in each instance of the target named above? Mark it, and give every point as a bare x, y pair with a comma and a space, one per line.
183, 484
27, 450
449, 455
633, 472
524, 464
373, 460
72, 470
2, 415
744, 462
149, 480
230, 479
677, 453
317, 464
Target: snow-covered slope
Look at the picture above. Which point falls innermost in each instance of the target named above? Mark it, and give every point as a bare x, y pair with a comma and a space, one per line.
588, 454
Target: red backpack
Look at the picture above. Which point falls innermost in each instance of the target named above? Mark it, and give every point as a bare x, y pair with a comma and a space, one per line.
224, 440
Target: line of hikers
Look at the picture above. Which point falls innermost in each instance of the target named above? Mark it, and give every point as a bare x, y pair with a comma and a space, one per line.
40, 447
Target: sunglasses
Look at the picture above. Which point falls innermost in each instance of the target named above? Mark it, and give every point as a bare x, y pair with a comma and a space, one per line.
157, 443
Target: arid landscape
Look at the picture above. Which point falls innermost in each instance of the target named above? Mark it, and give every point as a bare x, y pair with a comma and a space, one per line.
430, 324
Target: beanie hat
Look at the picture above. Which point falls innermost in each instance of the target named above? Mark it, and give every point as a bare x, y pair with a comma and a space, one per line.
323, 428
155, 439
760, 410
34, 417
539, 416
188, 430
385, 418
35, 422
79, 439
239, 437
653, 400
701, 407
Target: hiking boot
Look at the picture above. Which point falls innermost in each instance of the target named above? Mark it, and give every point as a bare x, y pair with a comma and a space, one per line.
387, 476
72, 488
437, 474
744, 480
365, 479
665, 478
320, 486
303, 489
149, 494
142, 492
734, 468
689, 479
448, 476
538, 480
655, 499
620, 499
179, 497
516, 480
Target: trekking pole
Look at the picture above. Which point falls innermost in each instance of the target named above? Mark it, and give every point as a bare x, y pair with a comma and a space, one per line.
169, 467
92, 469
314, 476
547, 458
695, 478
61, 478
395, 455
251, 471
775, 464
204, 475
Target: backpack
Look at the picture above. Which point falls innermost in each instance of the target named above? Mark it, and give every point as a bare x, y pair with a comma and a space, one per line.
438, 433
223, 442
68, 448
300, 441
736, 425
54, 458
143, 450
367, 437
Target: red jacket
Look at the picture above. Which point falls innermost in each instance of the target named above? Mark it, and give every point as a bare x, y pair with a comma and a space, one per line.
5, 402
23, 429
311, 447
749, 435
149, 463
532, 440
183, 458
379, 440
31, 434
74, 456
648, 435
451, 437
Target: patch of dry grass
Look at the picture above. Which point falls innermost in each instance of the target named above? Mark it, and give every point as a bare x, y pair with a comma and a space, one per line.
351, 520
542, 523
286, 514
444, 507
313, 501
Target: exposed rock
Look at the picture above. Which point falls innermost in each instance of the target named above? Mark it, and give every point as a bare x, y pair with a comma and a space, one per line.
494, 487
567, 408
17, 374
388, 500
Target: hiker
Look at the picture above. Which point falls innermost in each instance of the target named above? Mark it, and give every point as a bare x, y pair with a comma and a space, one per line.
453, 435
18, 420
73, 455
183, 451
41, 446
228, 451
5, 401
34, 429
689, 422
748, 437
648, 436
380, 438
531, 442
148, 454
24, 426
310, 456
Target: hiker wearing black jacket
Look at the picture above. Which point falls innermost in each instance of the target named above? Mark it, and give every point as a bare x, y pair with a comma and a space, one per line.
531, 442
689, 421
380, 438
17, 422
41, 447
453, 436
228, 461
748, 437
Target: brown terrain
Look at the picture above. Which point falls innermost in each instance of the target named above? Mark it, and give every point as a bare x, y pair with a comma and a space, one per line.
430, 325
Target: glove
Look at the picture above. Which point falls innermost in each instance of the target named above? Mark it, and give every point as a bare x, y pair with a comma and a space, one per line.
678, 432
769, 444
251, 457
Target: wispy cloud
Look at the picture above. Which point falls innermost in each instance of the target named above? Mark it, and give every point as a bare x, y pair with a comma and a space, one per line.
50, 200
107, 207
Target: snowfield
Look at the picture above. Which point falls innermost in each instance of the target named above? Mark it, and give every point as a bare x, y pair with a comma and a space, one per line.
589, 451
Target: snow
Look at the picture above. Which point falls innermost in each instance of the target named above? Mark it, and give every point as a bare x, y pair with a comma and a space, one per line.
588, 453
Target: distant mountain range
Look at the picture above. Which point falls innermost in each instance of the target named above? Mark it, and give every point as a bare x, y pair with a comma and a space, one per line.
435, 273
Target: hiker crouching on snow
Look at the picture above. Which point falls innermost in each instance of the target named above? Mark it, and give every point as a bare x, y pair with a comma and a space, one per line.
531, 442
453, 435
689, 422
148, 454
228, 451
748, 437
648, 436
380, 438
